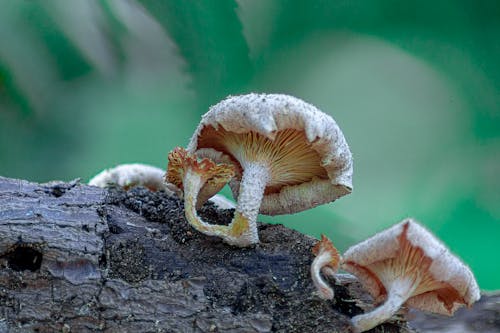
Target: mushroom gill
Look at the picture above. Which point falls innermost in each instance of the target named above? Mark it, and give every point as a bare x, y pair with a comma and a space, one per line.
412, 264
290, 157
407, 265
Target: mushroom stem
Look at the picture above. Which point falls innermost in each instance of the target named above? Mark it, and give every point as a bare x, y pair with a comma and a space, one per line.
242, 231
253, 183
319, 264
326, 261
193, 182
398, 294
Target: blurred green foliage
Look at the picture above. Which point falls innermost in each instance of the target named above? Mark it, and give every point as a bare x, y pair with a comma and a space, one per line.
414, 85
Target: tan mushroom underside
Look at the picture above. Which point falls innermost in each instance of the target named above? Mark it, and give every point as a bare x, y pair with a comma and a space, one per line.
289, 156
407, 249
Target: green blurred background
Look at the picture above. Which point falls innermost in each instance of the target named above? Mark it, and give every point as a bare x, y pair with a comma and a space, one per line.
414, 85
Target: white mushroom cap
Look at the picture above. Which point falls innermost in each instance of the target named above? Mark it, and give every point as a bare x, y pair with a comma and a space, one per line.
408, 263
317, 172
131, 175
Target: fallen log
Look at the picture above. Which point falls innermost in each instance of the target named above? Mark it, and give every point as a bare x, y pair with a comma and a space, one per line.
77, 258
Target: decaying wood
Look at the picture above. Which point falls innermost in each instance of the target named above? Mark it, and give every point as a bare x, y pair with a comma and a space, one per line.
75, 258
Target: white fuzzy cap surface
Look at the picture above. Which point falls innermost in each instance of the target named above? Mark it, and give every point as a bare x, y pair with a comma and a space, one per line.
134, 174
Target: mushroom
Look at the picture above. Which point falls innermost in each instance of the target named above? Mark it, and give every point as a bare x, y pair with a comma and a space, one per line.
327, 261
215, 167
200, 178
407, 265
288, 156
131, 175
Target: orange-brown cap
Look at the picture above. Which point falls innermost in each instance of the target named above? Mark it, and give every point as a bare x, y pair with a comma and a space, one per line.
325, 245
215, 175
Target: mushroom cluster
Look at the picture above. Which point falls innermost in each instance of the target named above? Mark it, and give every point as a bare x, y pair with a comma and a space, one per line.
406, 265
281, 155
287, 156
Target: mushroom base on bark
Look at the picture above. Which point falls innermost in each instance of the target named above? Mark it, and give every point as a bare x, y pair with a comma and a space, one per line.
400, 292
242, 231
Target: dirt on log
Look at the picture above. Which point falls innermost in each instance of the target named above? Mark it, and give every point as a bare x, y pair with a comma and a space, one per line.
76, 258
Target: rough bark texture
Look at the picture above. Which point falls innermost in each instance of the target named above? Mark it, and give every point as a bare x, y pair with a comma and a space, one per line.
75, 258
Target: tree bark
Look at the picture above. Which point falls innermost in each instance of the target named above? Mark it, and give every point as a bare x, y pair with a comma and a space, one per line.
76, 258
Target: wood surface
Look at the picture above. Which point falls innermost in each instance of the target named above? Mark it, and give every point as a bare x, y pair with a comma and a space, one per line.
76, 258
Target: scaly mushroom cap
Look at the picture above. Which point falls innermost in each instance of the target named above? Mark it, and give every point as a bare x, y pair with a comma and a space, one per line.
208, 163
308, 156
409, 250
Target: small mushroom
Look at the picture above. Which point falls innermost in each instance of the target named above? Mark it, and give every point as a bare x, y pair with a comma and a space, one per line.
407, 265
131, 175
205, 160
200, 178
327, 261
288, 156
